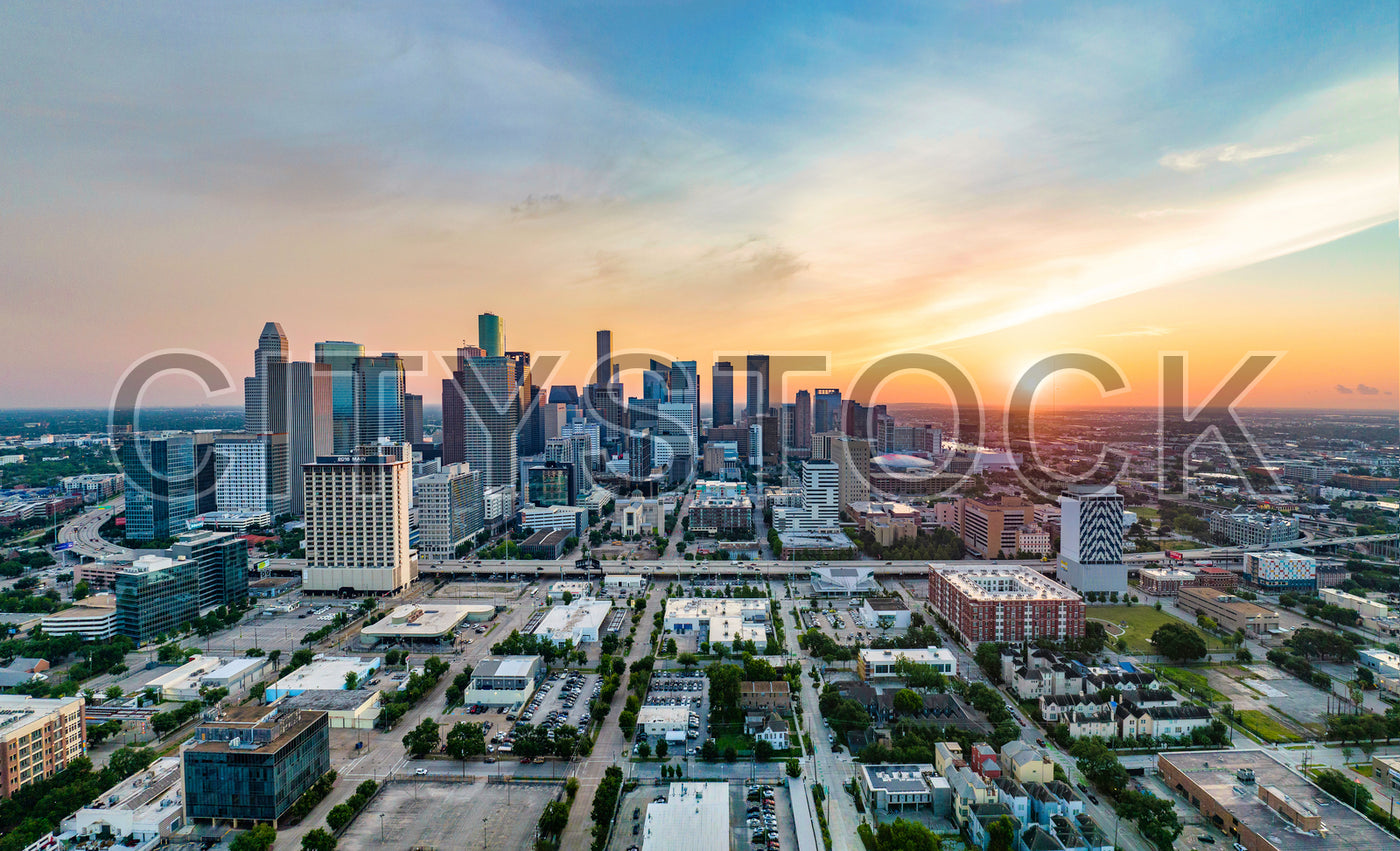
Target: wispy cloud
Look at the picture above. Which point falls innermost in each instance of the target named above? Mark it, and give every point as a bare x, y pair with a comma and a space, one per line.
1151, 331
1198, 159
1344, 390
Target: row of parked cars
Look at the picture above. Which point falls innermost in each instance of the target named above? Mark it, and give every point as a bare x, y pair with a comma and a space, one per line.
763, 817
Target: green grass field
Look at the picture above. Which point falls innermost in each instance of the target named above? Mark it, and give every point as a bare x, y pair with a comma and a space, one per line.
1265, 727
1141, 622
1193, 682
1178, 545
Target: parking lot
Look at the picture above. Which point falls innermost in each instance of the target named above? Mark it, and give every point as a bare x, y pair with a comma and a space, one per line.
563, 699
443, 815
760, 818
677, 688
841, 620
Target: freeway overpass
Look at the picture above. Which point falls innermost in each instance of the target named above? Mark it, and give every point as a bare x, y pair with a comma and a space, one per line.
1308, 543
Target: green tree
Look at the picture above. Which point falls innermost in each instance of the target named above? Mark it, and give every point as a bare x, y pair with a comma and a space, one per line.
127, 761
423, 739
352, 680
662, 749
81, 590
1179, 642
1001, 834
762, 751
794, 768
709, 751
318, 839
555, 818
907, 702
113, 692
465, 740
644, 750
731, 754
339, 816
260, 838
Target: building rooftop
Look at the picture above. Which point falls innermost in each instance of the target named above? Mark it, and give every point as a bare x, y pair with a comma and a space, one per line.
431, 620
903, 779
694, 817
1003, 582
1214, 772
324, 673
251, 728
701, 607
886, 604
506, 666
329, 701
21, 708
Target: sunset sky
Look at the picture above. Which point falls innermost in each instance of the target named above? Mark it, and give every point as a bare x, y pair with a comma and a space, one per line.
991, 181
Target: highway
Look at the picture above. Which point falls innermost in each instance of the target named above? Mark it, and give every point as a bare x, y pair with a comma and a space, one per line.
82, 532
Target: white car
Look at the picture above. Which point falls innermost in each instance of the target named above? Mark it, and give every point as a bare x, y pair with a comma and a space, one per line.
421, 772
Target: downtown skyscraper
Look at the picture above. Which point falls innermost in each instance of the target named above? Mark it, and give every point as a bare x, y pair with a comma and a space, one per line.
491, 335
379, 399
272, 349
722, 393
757, 399
341, 357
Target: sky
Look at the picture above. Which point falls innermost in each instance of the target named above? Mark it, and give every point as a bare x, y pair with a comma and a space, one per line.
994, 182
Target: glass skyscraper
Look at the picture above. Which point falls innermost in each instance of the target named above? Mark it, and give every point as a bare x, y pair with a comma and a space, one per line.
491, 335
156, 596
379, 396
341, 356
160, 486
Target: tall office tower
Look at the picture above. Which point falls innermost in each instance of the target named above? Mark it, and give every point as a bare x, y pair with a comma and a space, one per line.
551, 421
641, 454
531, 440
272, 348
855, 419
757, 400
160, 485
852, 457
491, 335
251, 470
606, 409
156, 596
656, 381
641, 413
454, 423
412, 418
675, 428
1091, 538
826, 410
310, 423
821, 494
490, 396
802, 420
604, 368
357, 522
341, 357
722, 394
223, 565
529, 421
572, 450
755, 445
883, 424
205, 483
449, 504
379, 392
787, 424
551, 483
684, 389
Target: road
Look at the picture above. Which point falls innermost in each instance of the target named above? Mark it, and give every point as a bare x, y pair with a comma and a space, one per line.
82, 530
383, 753
611, 747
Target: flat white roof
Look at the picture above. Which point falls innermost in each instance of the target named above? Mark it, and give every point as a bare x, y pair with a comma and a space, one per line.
679, 715
579, 614
703, 608
921, 655
430, 620
1003, 582
324, 673
695, 817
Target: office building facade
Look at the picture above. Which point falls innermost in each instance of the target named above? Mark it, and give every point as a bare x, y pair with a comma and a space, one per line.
722, 394
310, 423
1091, 538
272, 349
379, 399
159, 485
156, 596
757, 399
251, 763
357, 522
341, 356
251, 473
38, 739
223, 566
450, 510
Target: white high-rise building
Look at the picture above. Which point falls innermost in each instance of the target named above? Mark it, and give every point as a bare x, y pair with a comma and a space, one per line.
450, 510
1091, 538
821, 505
357, 521
250, 474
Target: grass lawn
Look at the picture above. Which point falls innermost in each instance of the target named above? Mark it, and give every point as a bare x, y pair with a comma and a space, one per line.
1191, 681
1178, 544
1260, 724
1141, 621
1363, 770
1144, 512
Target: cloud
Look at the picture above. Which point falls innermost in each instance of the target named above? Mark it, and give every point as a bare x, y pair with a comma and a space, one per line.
1198, 159
1344, 390
1367, 390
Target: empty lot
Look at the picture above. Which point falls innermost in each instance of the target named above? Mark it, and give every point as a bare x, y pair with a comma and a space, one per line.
449, 815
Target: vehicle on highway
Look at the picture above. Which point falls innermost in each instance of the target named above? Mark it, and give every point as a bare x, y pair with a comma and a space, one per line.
420, 772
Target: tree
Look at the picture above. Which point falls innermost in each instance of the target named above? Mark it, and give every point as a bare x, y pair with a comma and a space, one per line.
81, 590
318, 839
644, 750
903, 835
988, 658
709, 751
688, 660
339, 816
465, 739
555, 818
794, 768
113, 693
1179, 642
352, 680
762, 750
260, 838
907, 702
662, 749
1001, 834
423, 739
731, 754
128, 761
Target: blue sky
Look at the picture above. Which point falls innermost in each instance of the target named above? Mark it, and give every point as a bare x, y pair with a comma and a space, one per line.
889, 176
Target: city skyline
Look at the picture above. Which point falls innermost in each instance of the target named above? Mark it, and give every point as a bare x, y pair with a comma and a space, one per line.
994, 184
